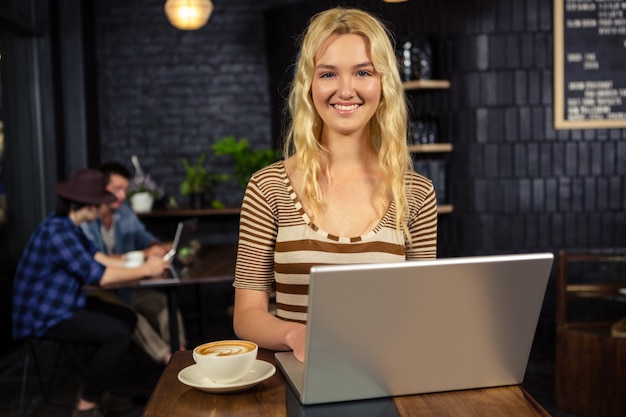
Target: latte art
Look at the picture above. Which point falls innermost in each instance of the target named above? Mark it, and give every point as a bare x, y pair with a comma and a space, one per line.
225, 361
226, 349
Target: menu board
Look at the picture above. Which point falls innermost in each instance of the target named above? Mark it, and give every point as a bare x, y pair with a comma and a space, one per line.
589, 64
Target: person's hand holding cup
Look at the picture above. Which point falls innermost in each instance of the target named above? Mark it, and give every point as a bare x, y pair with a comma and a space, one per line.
226, 361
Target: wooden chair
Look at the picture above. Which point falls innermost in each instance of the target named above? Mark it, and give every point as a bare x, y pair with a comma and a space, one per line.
590, 362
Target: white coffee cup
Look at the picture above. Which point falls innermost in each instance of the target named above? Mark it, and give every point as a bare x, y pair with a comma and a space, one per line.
133, 259
226, 361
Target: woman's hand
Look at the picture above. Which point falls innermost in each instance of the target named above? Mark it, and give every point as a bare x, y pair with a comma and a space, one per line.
253, 322
296, 339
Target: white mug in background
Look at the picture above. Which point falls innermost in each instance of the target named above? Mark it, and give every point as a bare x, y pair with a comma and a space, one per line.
133, 259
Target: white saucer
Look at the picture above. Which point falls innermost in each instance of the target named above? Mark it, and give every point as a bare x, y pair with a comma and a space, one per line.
193, 377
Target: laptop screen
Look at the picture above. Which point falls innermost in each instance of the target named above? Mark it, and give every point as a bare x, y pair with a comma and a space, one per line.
413, 327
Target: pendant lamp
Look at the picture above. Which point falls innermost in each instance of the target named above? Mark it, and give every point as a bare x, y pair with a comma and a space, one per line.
188, 14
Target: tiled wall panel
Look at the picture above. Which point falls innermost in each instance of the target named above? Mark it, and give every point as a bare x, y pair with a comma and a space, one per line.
570, 183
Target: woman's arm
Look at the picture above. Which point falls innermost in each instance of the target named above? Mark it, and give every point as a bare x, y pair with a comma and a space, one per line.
422, 220
253, 322
254, 273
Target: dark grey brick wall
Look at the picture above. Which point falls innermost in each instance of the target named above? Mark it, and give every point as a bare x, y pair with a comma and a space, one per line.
166, 94
516, 183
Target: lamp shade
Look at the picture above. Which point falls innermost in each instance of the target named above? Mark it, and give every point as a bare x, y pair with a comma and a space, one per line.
188, 14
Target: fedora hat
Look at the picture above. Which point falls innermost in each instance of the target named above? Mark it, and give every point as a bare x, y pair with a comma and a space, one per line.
86, 187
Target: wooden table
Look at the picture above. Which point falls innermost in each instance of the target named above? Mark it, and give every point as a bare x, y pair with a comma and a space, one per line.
270, 398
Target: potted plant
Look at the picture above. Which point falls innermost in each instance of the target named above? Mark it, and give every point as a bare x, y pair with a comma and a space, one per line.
142, 191
247, 161
198, 181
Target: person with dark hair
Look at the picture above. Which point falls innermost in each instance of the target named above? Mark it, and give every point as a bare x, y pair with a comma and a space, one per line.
48, 296
116, 231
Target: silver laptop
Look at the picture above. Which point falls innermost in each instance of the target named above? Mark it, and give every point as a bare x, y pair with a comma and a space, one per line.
379, 330
185, 231
172, 253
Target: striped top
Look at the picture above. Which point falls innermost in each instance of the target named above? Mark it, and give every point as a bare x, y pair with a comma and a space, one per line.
278, 243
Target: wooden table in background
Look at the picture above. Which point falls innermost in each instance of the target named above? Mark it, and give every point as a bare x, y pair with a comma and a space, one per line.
173, 398
216, 264
185, 213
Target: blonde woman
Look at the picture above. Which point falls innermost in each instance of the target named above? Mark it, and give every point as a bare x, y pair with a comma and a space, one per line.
346, 191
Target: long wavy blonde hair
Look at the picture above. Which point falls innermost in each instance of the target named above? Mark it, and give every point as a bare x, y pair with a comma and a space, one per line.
388, 127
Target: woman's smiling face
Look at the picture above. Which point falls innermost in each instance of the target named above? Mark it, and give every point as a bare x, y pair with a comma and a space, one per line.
346, 88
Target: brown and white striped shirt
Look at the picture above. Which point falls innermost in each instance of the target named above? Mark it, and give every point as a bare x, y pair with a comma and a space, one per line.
278, 243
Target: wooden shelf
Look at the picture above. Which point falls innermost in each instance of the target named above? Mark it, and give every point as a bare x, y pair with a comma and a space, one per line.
426, 84
441, 209
445, 208
596, 256
608, 290
430, 148
190, 213
602, 329
602, 282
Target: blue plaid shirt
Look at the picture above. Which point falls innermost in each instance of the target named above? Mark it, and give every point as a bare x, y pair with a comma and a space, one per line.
57, 261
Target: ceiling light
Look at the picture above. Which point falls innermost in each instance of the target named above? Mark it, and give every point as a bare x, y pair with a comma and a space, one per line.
188, 14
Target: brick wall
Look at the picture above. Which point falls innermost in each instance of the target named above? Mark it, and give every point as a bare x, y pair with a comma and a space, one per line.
166, 94
516, 182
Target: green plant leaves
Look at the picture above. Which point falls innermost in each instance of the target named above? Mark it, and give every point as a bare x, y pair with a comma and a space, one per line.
247, 161
197, 178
